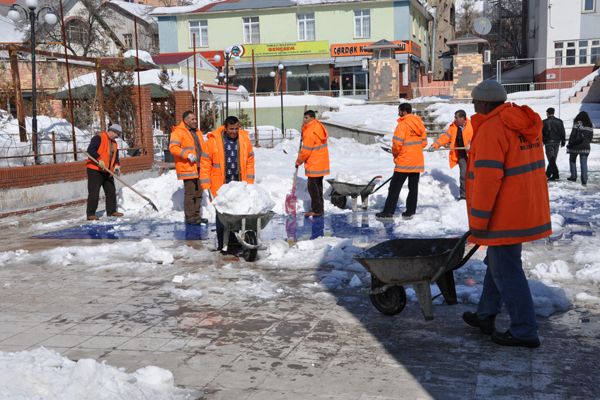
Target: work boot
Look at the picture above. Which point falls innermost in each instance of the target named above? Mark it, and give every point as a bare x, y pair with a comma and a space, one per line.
116, 214
571, 179
384, 215
487, 325
309, 214
407, 215
507, 339
92, 218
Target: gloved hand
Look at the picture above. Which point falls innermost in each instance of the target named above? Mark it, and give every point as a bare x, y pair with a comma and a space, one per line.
431, 148
118, 170
101, 165
468, 147
192, 158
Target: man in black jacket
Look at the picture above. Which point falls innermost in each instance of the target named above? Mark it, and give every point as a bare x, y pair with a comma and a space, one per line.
553, 136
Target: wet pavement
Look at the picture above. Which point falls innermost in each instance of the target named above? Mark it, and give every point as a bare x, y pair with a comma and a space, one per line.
302, 343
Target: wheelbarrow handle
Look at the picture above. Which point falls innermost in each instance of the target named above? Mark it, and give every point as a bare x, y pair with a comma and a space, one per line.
447, 267
369, 184
380, 186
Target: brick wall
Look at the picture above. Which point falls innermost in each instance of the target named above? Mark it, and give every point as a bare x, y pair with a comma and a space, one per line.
50, 75
37, 175
184, 101
384, 80
468, 72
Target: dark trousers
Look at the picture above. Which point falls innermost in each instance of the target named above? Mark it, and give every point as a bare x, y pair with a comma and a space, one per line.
192, 200
97, 180
582, 162
394, 192
315, 189
233, 244
551, 154
462, 166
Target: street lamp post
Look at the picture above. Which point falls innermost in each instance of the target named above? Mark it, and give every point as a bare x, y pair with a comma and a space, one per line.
51, 19
279, 72
228, 55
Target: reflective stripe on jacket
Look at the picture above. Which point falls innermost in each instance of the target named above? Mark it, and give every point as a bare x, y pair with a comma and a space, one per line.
181, 145
314, 152
410, 137
107, 152
507, 189
212, 166
448, 138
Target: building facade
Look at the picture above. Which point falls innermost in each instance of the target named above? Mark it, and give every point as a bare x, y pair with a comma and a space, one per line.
564, 38
320, 45
442, 30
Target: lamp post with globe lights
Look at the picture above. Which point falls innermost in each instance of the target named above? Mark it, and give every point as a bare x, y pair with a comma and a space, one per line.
50, 18
230, 52
280, 74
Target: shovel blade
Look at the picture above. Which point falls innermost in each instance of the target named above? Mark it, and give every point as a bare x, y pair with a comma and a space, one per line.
290, 204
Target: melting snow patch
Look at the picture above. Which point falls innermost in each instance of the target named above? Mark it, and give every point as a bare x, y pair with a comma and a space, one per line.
557, 271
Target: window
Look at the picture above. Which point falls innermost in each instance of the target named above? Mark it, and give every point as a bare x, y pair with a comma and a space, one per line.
76, 32
200, 29
306, 27
558, 57
128, 40
362, 24
581, 52
571, 57
595, 55
588, 5
583, 56
251, 30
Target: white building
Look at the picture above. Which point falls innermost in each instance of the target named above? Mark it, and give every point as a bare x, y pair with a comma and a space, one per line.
564, 37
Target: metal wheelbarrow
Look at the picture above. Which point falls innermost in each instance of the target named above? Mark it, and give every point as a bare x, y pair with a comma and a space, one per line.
339, 191
416, 262
246, 229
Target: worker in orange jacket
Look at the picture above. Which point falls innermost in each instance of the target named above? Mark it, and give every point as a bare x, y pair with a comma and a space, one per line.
314, 154
229, 157
103, 147
458, 138
507, 204
186, 146
410, 137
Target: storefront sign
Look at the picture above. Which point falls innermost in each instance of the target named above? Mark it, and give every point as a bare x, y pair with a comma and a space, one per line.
286, 49
358, 49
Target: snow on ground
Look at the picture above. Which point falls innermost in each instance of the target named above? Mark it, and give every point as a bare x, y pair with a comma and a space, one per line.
309, 100
45, 374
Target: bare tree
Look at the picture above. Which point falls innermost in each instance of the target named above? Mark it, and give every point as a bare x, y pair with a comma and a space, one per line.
465, 15
88, 30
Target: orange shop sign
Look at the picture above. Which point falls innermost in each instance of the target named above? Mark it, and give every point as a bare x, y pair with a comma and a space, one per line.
358, 49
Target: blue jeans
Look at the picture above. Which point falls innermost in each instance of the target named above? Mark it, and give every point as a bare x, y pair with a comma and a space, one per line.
505, 282
582, 162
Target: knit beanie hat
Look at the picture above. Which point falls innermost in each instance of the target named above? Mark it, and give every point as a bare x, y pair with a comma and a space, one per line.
489, 91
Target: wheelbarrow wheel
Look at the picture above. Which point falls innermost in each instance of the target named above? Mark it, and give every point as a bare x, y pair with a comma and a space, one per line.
250, 254
390, 302
338, 200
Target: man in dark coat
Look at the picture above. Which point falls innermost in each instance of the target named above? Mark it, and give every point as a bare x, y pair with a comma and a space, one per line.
553, 136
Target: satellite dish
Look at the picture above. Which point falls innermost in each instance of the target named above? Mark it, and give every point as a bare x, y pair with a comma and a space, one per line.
482, 25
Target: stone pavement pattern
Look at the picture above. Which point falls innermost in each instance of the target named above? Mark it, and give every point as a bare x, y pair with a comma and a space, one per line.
298, 345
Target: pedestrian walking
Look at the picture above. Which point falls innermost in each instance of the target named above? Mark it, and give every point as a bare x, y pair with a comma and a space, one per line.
553, 135
314, 154
229, 157
579, 145
507, 204
410, 137
104, 148
458, 138
187, 147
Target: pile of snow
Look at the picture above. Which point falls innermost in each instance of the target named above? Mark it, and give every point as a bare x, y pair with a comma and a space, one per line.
240, 198
352, 179
45, 374
141, 54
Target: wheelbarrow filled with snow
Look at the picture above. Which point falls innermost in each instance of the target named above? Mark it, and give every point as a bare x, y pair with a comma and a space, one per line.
343, 186
246, 229
417, 262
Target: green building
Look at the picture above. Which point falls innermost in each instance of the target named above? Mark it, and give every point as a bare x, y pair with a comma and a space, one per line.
318, 43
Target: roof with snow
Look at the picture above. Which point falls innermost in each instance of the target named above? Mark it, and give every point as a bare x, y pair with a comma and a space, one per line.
142, 11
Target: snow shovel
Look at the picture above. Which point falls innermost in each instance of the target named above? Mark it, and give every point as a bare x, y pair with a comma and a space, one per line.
451, 148
122, 181
290, 198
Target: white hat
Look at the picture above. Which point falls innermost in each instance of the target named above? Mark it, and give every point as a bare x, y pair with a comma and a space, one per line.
116, 128
489, 91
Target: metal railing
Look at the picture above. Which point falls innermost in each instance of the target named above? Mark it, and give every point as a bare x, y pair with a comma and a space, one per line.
531, 86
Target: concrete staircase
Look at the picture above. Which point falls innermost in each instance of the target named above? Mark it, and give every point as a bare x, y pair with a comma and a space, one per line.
590, 93
434, 129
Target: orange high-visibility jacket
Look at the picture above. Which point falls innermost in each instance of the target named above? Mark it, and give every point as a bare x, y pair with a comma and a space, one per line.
314, 152
212, 166
507, 189
410, 137
107, 152
181, 145
449, 137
